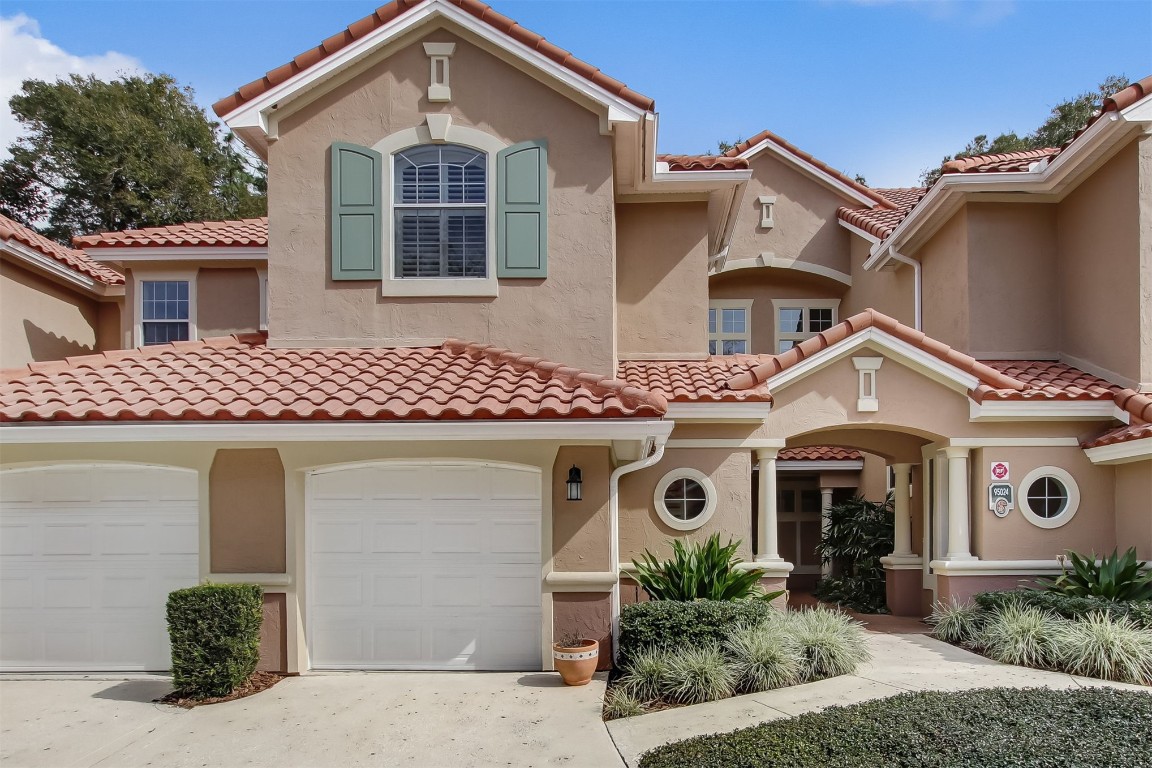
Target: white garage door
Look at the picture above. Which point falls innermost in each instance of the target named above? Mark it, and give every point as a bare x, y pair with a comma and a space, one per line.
424, 566
88, 555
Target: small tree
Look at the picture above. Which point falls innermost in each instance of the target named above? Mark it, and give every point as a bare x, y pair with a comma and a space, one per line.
858, 534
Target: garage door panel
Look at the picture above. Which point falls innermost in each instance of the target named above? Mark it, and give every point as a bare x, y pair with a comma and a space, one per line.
455, 536
399, 536
17, 540
397, 590
459, 483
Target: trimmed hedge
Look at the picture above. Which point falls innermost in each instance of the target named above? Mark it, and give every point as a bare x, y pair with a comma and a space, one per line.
215, 633
1139, 611
987, 728
674, 624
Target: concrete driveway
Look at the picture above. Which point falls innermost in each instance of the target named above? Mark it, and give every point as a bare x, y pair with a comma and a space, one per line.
440, 720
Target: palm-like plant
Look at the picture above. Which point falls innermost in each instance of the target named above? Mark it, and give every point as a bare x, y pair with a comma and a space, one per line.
1116, 577
700, 571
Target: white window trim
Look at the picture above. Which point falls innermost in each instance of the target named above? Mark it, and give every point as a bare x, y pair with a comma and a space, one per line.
710, 497
141, 277
1069, 484
452, 134
720, 336
805, 305
262, 279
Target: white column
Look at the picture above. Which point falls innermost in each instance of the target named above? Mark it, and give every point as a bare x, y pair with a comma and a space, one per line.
825, 505
768, 534
959, 508
901, 491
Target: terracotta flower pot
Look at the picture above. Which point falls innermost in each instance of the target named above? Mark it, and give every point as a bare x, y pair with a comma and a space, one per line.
576, 664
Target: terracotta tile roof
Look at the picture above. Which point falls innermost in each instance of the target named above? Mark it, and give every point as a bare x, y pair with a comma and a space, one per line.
694, 381
240, 378
386, 13
69, 257
1120, 435
239, 233
702, 162
1045, 380
1003, 161
881, 222
819, 453
868, 192
1139, 408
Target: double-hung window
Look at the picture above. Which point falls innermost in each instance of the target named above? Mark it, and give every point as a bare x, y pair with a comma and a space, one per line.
441, 212
165, 311
803, 319
729, 327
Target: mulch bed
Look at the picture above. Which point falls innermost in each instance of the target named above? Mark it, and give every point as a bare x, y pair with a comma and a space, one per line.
260, 681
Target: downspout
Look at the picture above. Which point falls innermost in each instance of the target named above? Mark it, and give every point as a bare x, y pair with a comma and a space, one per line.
614, 529
916, 288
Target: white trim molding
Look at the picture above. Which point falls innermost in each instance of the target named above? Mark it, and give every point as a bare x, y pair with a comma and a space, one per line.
710, 498
767, 203
139, 277
827, 465
748, 412
56, 269
1020, 568
812, 170
1014, 442
1121, 453
769, 259
748, 442
180, 253
580, 581
857, 231
1071, 504
902, 562
1042, 410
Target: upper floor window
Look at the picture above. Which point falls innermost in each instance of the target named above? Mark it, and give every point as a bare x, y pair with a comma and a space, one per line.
803, 319
165, 311
441, 215
729, 327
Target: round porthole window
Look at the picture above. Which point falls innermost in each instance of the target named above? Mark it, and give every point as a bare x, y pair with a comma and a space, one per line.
1049, 497
685, 499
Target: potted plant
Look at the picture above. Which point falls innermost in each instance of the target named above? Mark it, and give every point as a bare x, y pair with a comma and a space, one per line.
575, 658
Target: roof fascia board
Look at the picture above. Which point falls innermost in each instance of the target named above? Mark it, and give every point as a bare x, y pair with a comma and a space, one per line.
254, 112
1042, 410
296, 432
825, 465
901, 351
807, 167
179, 253
744, 412
857, 231
1121, 453
58, 270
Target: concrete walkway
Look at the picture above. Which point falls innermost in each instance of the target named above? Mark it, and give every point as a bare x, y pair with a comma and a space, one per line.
433, 719
900, 663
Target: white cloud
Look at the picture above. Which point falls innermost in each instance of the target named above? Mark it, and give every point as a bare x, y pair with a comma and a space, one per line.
26, 55
974, 12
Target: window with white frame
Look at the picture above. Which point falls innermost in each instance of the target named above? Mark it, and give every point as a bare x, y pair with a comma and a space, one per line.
1049, 497
685, 499
797, 320
730, 327
165, 311
441, 215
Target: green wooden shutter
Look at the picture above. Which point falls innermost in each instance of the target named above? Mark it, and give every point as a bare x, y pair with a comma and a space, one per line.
522, 210
357, 218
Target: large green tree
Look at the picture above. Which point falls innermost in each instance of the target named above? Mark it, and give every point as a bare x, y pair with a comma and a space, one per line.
134, 152
1066, 119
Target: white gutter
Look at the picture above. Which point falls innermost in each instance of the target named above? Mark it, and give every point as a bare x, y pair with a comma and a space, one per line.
917, 288
614, 527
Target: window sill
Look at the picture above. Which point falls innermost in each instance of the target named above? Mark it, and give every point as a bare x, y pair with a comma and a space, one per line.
440, 287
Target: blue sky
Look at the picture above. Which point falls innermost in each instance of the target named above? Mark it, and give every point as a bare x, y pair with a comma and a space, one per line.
883, 88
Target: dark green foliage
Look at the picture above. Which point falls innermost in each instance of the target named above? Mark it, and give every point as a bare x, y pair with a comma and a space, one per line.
215, 633
134, 152
1069, 607
700, 572
673, 624
858, 534
1116, 577
989, 728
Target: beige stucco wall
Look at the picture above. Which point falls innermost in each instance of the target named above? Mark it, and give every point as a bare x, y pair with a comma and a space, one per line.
42, 320
1103, 303
945, 283
227, 301
762, 285
730, 471
489, 95
1012, 281
246, 511
1134, 507
804, 217
580, 531
892, 292
661, 287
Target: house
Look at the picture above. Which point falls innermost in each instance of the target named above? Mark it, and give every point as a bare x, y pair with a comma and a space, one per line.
494, 347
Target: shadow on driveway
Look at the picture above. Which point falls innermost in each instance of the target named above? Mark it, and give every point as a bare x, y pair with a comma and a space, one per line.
143, 691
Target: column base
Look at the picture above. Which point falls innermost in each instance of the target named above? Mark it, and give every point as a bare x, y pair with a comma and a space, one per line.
959, 557
907, 562
902, 591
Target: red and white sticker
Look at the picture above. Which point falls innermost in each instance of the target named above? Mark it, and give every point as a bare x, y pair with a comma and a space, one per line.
1000, 470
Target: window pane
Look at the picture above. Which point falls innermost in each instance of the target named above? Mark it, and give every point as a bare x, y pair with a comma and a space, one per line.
685, 499
435, 174
162, 333
819, 319
735, 347
733, 321
711, 321
164, 300
441, 242
712, 347
1047, 497
791, 320
784, 346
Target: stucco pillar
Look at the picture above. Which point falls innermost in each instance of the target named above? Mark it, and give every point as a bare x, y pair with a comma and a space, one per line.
902, 540
768, 534
825, 505
959, 508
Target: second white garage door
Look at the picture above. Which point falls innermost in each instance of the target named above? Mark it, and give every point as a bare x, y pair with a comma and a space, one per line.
424, 566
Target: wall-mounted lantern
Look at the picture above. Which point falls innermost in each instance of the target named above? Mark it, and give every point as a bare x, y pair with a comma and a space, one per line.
574, 483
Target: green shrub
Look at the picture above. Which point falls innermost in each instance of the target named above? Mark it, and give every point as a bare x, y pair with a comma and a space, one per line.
1070, 607
1116, 577
990, 728
858, 534
1112, 649
696, 675
215, 633
645, 673
831, 643
955, 621
766, 657
1022, 635
700, 571
672, 624
620, 702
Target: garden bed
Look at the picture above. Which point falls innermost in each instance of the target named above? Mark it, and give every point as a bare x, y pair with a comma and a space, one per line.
988, 728
259, 681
